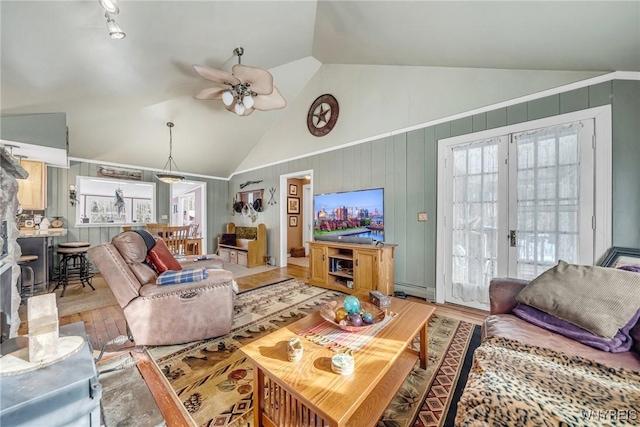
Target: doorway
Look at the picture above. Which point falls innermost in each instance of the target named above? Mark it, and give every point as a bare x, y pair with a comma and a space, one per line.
189, 207
513, 201
296, 192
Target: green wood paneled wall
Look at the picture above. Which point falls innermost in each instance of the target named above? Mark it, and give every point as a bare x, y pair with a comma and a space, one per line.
405, 166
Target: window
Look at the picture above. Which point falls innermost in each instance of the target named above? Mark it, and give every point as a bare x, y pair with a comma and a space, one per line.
105, 201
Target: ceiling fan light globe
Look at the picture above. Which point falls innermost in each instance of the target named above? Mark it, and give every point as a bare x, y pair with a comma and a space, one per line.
239, 108
227, 97
247, 101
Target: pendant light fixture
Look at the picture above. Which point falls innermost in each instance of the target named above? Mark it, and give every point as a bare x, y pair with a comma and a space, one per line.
169, 176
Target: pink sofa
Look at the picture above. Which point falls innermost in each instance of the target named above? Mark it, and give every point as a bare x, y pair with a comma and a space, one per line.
166, 314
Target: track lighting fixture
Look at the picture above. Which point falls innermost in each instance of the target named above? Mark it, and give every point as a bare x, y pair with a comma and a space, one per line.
115, 32
110, 6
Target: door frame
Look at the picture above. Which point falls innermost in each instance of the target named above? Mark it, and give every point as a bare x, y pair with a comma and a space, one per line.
307, 217
603, 191
282, 262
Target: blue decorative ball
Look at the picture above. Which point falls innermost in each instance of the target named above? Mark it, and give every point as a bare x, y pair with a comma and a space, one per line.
367, 318
351, 304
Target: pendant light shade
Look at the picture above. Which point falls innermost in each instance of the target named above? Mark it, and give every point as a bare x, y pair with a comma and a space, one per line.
169, 176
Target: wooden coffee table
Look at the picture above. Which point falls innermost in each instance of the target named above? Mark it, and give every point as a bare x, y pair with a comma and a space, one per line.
309, 393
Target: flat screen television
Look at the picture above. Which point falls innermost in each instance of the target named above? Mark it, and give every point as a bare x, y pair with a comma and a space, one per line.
351, 213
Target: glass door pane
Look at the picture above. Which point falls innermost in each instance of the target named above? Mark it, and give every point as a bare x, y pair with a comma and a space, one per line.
545, 198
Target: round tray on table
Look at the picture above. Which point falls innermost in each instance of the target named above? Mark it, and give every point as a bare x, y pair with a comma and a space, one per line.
328, 313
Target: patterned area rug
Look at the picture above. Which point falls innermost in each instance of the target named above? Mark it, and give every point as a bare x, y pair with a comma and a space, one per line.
214, 381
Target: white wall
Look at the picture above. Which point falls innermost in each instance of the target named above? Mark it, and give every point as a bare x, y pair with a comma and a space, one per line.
375, 100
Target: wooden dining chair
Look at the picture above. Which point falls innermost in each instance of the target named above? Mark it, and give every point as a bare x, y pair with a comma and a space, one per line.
156, 228
193, 230
176, 238
194, 240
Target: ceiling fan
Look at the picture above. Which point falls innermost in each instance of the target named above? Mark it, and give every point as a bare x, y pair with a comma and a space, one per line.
243, 90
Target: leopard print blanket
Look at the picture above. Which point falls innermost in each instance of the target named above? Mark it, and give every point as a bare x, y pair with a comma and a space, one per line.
515, 384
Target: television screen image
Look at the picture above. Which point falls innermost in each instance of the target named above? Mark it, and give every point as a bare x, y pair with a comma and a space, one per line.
352, 213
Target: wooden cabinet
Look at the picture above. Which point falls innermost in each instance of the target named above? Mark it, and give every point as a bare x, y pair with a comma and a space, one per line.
349, 268
318, 263
32, 192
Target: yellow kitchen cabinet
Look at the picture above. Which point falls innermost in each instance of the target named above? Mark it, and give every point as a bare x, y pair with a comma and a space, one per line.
32, 192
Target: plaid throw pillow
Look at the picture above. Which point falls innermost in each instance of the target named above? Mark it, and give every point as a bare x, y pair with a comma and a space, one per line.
172, 277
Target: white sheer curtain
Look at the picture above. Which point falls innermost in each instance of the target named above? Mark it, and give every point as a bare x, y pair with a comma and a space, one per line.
475, 219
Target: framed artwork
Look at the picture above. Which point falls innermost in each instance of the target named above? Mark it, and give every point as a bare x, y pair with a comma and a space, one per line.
622, 257
293, 205
293, 221
293, 190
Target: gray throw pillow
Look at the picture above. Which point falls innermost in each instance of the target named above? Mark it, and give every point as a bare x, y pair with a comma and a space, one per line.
599, 299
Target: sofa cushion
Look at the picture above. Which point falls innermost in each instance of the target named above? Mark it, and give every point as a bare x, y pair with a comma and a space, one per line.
133, 249
131, 246
243, 243
228, 239
635, 335
250, 233
620, 342
172, 277
511, 327
162, 259
599, 299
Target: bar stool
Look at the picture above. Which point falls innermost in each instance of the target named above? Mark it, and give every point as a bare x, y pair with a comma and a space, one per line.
73, 245
24, 262
73, 261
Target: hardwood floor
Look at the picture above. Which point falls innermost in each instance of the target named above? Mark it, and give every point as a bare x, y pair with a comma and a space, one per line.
104, 324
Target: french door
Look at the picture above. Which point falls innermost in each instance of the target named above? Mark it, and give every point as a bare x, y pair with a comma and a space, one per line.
514, 204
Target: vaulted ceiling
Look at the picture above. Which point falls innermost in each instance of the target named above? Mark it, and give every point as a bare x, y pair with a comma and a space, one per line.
56, 56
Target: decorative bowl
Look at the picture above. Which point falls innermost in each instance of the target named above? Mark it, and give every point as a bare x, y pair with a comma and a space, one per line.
328, 313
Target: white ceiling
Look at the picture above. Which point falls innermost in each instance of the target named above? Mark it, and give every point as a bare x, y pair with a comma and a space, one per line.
56, 56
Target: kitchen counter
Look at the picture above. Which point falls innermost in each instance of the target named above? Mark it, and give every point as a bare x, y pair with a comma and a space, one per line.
38, 242
51, 232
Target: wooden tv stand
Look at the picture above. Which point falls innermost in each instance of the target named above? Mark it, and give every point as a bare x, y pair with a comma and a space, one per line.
351, 267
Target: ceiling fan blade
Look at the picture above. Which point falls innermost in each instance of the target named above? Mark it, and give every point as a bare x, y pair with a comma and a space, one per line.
217, 76
261, 80
269, 102
210, 93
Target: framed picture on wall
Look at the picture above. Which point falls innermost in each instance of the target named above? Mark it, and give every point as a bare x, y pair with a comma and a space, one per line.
293, 221
293, 205
626, 258
293, 190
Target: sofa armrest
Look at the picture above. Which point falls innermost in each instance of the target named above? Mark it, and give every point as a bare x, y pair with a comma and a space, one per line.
216, 278
503, 292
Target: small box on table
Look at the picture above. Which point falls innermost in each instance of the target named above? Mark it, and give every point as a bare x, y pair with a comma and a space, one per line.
379, 299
